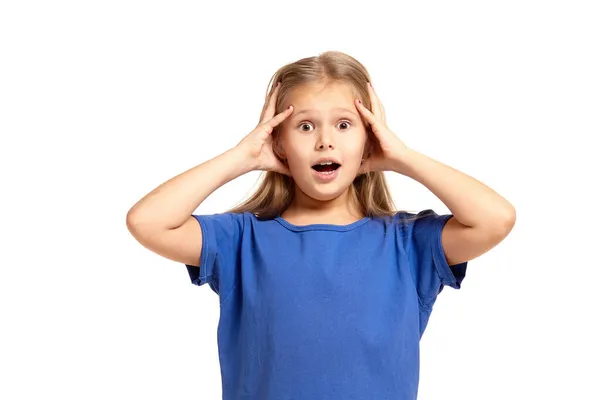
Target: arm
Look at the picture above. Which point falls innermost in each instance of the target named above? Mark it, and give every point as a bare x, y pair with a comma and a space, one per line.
482, 218
162, 221
171, 204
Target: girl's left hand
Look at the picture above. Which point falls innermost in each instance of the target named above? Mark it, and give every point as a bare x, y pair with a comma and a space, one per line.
387, 150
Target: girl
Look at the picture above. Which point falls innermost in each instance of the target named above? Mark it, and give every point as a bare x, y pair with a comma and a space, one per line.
324, 289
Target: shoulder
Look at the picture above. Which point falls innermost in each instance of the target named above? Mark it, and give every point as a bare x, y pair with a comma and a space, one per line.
420, 220
419, 225
224, 221
409, 219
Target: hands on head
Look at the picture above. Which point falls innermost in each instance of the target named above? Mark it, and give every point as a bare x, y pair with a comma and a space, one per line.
387, 147
258, 144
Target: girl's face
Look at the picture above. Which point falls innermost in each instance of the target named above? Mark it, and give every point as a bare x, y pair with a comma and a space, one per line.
324, 123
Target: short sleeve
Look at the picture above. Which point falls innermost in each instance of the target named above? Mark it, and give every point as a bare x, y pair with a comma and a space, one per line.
423, 245
220, 254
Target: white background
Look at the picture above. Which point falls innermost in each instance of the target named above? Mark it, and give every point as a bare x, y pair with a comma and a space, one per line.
101, 102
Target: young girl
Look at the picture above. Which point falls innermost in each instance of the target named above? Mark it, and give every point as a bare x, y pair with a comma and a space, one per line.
325, 290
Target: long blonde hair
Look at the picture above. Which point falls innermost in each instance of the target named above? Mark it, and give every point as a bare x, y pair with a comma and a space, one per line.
276, 191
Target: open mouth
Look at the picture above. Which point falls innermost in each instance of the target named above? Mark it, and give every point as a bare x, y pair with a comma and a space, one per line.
326, 168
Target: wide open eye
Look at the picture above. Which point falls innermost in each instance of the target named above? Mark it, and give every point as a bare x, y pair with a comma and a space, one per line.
345, 121
347, 124
303, 124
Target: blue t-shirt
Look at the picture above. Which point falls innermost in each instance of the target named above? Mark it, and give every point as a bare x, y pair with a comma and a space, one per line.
323, 311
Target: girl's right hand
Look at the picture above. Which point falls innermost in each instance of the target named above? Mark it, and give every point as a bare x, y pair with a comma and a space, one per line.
258, 144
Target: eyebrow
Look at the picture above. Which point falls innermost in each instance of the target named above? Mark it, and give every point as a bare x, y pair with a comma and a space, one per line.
334, 109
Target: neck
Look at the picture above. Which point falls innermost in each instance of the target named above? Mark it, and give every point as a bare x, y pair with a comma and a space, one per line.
342, 208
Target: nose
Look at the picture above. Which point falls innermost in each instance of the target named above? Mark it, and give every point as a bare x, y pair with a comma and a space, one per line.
324, 141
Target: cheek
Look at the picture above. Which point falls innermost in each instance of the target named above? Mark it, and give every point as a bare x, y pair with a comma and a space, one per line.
358, 146
296, 152
368, 141
298, 159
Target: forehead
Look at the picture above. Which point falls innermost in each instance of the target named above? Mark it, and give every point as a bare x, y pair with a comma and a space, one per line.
321, 96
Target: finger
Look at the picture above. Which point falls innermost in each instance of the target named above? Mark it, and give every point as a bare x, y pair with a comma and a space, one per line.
267, 102
269, 106
379, 103
276, 120
271, 103
376, 103
365, 112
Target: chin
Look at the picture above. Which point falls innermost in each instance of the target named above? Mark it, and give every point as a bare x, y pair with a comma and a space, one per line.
319, 196
323, 191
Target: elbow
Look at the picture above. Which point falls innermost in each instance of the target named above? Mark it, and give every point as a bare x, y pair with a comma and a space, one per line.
132, 221
507, 222
510, 218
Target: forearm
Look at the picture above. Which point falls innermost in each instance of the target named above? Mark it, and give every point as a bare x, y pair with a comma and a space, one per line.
171, 203
471, 202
